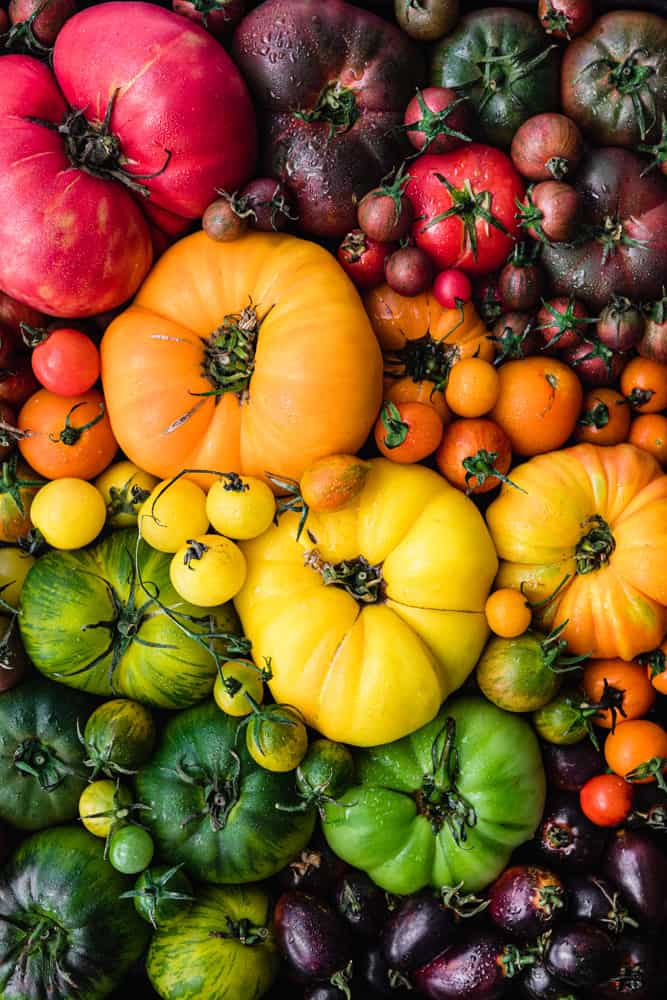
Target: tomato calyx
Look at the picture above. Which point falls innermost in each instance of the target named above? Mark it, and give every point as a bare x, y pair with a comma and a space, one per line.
34, 758
595, 548
550, 899
243, 931
630, 77
33, 336
44, 941
101, 761
206, 7
611, 235
354, 246
229, 353
655, 817
220, 788
438, 799
502, 70
433, 124
21, 36
425, 359
530, 216
653, 768
71, 435
655, 660
155, 890
291, 500
640, 397
511, 344
553, 648
121, 813
194, 552
360, 578
335, 105
239, 204
658, 151
11, 483
556, 22
480, 467
126, 499
470, 207
396, 429
597, 416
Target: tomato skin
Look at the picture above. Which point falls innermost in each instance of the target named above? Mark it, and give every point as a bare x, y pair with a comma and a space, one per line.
450, 286
276, 738
240, 506
174, 512
420, 429
131, 850
606, 799
69, 512
630, 687
465, 439
208, 570
67, 362
473, 388
507, 613
649, 431
633, 744
363, 258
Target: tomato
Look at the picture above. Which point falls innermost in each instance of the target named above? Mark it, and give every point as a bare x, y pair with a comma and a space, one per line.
327, 770
70, 513
655, 663
407, 432
605, 418
36, 23
363, 259
174, 512
436, 120
472, 388
385, 213
649, 431
548, 212
606, 799
208, 570
409, 271
561, 721
623, 686
241, 681
131, 849
219, 17
240, 506
276, 738
161, 894
226, 218
520, 674
507, 612
637, 751
333, 482
66, 362
547, 146
119, 737
124, 487
480, 185
452, 287
18, 383
521, 282
14, 567
18, 486
564, 19
103, 805
475, 455
644, 384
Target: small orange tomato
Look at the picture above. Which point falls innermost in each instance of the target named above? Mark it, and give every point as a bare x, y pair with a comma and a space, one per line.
406, 390
605, 418
507, 613
644, 383
331, 483
407, 432
637, 751
649, 431
474, 455
66, 435
623, 687
655, 663
473, 387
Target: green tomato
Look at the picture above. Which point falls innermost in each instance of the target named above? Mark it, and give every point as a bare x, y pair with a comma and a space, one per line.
245, 679
326, 771
131, 849
119, 737
161, 894
562, 721
515, 674
447, 804
276, 738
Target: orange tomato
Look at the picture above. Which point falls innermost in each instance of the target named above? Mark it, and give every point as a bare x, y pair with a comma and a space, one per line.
67, 436
649, 431
538, 405
474, 455
644, 383
655, 663
473, 387
407, 390
637, 751
605, 418
333, 482
408, 432
623, 686
507, 613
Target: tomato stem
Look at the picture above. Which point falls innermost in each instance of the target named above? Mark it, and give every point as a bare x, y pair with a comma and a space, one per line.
229, 353
70, 435
658, 150
434, 123
469, 206
335, 105
21, 37
652, 768
361, 579
595, 548
424, 359
155, 891
396, 429
480, 467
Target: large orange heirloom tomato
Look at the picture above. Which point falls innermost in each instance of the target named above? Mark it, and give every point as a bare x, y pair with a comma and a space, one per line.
590, 531
253, 356
376, 614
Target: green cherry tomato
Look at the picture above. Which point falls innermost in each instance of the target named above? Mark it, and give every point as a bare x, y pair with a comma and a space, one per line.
244, 678
131, 850
562, 720
276, 738
326, 771
161, 894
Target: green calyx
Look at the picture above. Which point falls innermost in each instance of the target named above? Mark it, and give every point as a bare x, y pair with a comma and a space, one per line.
611, 235
396, 429
336, 105
154, 890
425, 359
556, 22
617, 918
563, 321
394, 189
243, 931
70, 435
656, 661
43, 943
657, 151
553, 649
229, 353
220, 789
470, 207
101, 761
480, 467
34, 758
631, 77
653, 768
598, 350
11, 483
439, 799
361, 579
21, 37
595, 548
433, 124
511, 345
126, 499
530, 217
501, 71
597, 416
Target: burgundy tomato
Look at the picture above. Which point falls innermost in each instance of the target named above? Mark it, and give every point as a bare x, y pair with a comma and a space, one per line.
464, 202
18, 383
409, 271
385, 213
219, 17
561, 323
547, 147
451, 288
594, 363
565, 18
606, 799
526, 900
40, 20
581, 954
488, 299
67, 362
363, 258
653, 344
268, 204
475, 968
514, 337
621, 324
549, 210
4, 20
436, 120
521, 281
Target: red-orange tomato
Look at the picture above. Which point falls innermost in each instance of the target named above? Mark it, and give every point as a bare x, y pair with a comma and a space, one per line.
649, 431
606, 799
623, 686
605, 418
473, 454
644, 383
407, 432
66, 436
637, 750
406, 390
655, 663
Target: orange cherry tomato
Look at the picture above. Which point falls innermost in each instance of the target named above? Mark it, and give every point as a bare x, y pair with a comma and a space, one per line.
637, 751
655, 663
474, 455
407, 432
649, 431
507, 612
66, 435
606, 799
623, 686
406, 390
644, 383
605, 418
473, 387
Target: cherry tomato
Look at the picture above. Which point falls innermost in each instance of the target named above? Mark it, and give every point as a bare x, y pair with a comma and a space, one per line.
208, 570
67, 362
624, 687
276, 738
69, 512
408, 432
103, 803
644, 383
14, 567
363, 258
245, 679
473, 388
606, 799
240, 506
507, 613
161, 894
174, 512
452, 287
637, 751
655, 663
131, 849
124, 487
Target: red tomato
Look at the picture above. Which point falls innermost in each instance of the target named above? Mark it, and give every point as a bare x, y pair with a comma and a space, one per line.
606, 799
363, 258
67, 362
452, 287
407, 432
481, 185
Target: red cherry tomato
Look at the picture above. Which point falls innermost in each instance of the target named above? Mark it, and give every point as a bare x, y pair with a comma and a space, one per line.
451, 285
66, 363
606, 799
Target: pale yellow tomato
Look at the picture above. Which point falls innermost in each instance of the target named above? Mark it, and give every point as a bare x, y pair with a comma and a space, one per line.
240, 506
70, 513
124, 487
208, 570
14, 566
246, 675
174, 512
103, 803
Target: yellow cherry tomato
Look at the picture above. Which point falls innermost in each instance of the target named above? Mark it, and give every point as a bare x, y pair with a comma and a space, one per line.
208, 570
240, 506
276, 738
102, 804
124, 487
70, 513
14, 566
174, 512
246, 675
507, 612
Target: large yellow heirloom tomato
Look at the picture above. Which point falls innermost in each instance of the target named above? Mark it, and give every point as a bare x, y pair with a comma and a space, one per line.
370, 655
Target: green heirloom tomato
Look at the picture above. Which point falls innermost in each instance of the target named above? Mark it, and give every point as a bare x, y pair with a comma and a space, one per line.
131, 849
42, 773
222, 949
565, 719
213, 807
92, 619
64, 932
326, 772
523, 674
119, 737
161, 894
447, 804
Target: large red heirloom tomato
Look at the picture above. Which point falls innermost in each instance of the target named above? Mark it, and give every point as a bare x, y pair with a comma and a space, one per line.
142, 117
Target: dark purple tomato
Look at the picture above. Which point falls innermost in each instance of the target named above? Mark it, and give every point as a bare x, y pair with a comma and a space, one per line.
385, 213
17, 383
45, 19
437, 119
549, 211
581, 954
324, 991
620, 325
592, 898
521, 284
471, 969
570, 767
269, 203
409, 271
537, 983
361, 903
594, 362
635, 969
418, 930
514, 337
14, 663
363, 259
635, 863
312, 937
376, 973
565, 836
487, 298
219, 17
526, 900
313, 871
561, 323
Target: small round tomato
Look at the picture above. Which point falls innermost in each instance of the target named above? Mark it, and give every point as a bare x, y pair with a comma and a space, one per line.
436, 120
124, 487
66, 362
102, 804
70, 513
363, 259
240, 506
131, 849
606, 799
507, 613
565, 18
161, 894
276, 738
452, 288
622, 688
409, 271
18, 486
174, 512
406, 390
241, 681
66, 436
655, 663
14, 567
637, 751
649, 431
472, 388
333, 482
208, 570
644, 384
385, 214
605, 418
475, 455
407, 432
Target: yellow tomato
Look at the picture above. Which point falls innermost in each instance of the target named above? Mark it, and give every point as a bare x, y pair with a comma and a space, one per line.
208, 570
124, 487
14, 566
240, 506
102, 804
276, 738
70, 513
174, 512
248, 677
